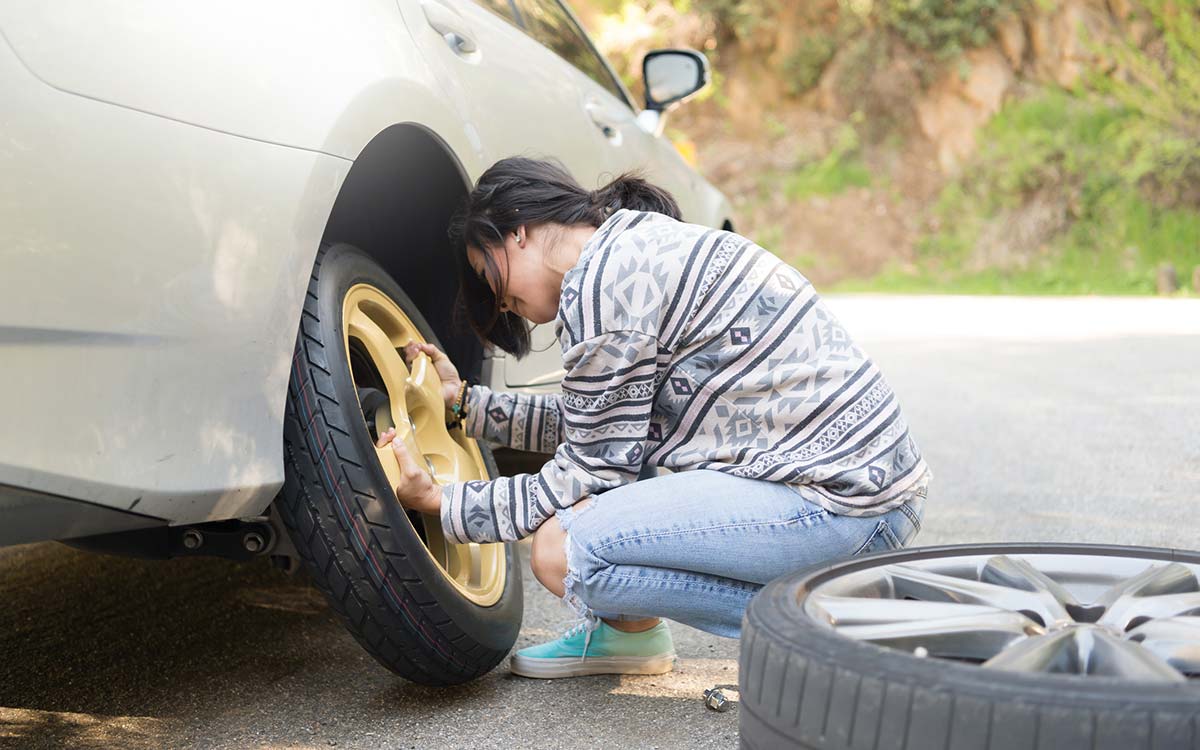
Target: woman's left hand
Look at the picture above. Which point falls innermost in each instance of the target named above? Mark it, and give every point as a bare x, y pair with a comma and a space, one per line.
416, 490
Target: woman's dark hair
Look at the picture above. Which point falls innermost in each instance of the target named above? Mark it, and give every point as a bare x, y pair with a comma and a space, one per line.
518, 191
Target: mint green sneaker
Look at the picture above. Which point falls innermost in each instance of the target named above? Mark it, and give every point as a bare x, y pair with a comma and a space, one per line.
598, 649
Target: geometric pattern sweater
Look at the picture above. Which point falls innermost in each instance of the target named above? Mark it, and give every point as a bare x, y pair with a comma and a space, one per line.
690, 348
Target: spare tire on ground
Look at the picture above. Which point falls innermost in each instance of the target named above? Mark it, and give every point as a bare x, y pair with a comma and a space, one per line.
988, 647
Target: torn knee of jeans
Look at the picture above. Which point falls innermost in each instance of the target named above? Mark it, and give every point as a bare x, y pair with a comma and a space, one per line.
571, 598
566, 516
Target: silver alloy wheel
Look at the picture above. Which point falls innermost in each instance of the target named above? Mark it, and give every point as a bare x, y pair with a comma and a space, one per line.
1128, 617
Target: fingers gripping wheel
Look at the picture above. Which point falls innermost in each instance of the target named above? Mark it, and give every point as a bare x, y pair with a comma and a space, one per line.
432, 611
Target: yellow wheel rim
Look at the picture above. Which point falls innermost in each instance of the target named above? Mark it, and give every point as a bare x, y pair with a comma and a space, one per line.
409, 398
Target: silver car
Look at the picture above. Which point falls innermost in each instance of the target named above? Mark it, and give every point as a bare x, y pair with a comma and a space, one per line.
218, 223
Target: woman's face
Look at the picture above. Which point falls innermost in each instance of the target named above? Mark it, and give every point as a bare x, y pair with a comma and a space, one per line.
532, 287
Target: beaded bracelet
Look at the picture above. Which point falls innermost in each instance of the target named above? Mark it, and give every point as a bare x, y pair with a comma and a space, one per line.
459, 409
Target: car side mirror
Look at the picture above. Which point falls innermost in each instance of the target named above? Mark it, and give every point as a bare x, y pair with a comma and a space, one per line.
672, 75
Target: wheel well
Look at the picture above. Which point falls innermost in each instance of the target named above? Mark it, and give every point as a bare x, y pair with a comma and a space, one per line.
395, 205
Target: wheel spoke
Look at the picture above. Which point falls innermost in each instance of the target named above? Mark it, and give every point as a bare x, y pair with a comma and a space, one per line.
1127, 610
423, 390
449, 461
1155, 593
387, 459
851, 610
930, 586
1110, 656
459, 560
455, 559
475, 560
1172, 578
1019, 574
387, 360
1175, 640
1053, 652
973, 636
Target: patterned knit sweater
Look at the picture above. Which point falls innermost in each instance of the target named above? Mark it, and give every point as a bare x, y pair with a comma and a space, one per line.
691, 348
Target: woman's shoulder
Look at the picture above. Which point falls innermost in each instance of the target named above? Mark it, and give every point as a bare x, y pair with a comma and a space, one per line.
629, 278
634, 234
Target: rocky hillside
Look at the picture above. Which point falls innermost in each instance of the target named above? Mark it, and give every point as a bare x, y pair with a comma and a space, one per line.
990, 145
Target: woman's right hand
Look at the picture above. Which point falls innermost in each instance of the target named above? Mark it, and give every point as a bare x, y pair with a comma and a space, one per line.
445, 369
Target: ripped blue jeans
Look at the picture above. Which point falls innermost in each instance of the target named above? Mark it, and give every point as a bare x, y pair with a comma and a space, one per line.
695, 546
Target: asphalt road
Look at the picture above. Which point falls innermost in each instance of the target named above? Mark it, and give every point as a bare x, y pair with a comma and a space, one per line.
1068, 420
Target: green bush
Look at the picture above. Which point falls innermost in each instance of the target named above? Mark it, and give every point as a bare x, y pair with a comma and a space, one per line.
802, 69
1123, 152
741, 18
1046, 141
942, 27
1061, 144
1161, 141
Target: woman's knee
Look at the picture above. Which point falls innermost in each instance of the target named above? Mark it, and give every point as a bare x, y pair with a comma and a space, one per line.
546, 556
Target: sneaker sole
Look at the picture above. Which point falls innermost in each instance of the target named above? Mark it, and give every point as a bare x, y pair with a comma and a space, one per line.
527, 666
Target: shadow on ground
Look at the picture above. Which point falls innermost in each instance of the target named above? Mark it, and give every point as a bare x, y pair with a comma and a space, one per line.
100, 652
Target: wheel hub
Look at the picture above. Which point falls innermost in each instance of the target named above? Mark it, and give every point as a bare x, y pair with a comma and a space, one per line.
407, 396
376, 410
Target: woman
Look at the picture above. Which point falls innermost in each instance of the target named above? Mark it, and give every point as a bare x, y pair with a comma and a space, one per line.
685, 347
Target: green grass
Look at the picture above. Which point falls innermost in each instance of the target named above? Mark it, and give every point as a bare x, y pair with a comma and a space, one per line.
827, 178
1062, 144
1117, 250
839, 170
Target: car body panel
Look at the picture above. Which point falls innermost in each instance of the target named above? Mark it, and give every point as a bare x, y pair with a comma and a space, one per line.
283, 72
169, 172
153, 274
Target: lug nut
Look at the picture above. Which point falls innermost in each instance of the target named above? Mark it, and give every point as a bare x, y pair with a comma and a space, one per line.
253, 542
715, 700
192, 539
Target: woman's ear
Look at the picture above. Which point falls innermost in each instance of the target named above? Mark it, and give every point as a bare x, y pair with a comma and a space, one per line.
520, 234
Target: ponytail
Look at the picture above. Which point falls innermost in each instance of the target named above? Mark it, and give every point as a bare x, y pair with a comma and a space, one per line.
631, 191
517, 191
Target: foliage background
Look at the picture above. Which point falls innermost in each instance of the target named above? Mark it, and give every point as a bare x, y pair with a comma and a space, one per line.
1025, 146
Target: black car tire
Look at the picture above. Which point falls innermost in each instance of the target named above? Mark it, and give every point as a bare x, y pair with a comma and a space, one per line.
358, 544
802, 685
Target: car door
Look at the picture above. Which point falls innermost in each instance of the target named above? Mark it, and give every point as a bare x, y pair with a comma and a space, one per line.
516, 97
610, 107
513, 97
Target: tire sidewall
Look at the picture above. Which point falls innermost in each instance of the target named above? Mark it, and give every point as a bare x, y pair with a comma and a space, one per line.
495, 626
